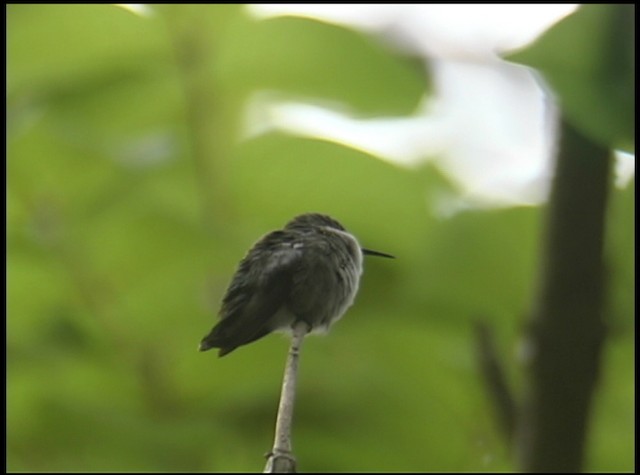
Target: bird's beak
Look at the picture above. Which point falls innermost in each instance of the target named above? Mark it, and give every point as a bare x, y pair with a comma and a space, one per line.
369, 252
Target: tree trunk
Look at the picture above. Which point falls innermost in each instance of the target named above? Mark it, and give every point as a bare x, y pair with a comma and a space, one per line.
566, 331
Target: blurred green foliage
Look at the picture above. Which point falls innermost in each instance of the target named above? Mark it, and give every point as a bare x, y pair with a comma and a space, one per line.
589, 61
120, 129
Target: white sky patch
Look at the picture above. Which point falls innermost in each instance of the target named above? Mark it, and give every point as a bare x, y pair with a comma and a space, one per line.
396, 139
487, 123
625, 168
436, 30
140, 9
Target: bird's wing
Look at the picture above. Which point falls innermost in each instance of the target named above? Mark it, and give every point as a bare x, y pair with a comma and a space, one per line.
260, 287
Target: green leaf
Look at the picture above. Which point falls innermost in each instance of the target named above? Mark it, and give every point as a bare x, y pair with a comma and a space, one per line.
588, 59
58, 45
316, 60
279, 175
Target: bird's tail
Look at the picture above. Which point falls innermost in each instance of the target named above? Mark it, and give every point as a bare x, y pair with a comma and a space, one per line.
228, 335
213, 341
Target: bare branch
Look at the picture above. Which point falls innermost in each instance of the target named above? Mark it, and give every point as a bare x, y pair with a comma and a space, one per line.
281, 459
492, 372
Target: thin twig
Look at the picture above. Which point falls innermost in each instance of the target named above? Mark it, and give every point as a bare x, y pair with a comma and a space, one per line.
494, 377
281, 459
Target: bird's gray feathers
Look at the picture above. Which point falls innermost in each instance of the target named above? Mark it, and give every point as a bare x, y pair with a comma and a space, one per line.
307, 271
259, 288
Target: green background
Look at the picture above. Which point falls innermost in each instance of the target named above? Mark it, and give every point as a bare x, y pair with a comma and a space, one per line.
131, 199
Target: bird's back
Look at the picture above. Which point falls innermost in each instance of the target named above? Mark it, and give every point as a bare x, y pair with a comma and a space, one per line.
301, 272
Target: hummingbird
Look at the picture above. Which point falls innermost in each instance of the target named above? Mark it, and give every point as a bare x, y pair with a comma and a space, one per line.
308, 271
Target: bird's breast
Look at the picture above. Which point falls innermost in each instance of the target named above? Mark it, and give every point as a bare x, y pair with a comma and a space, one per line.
325, 287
